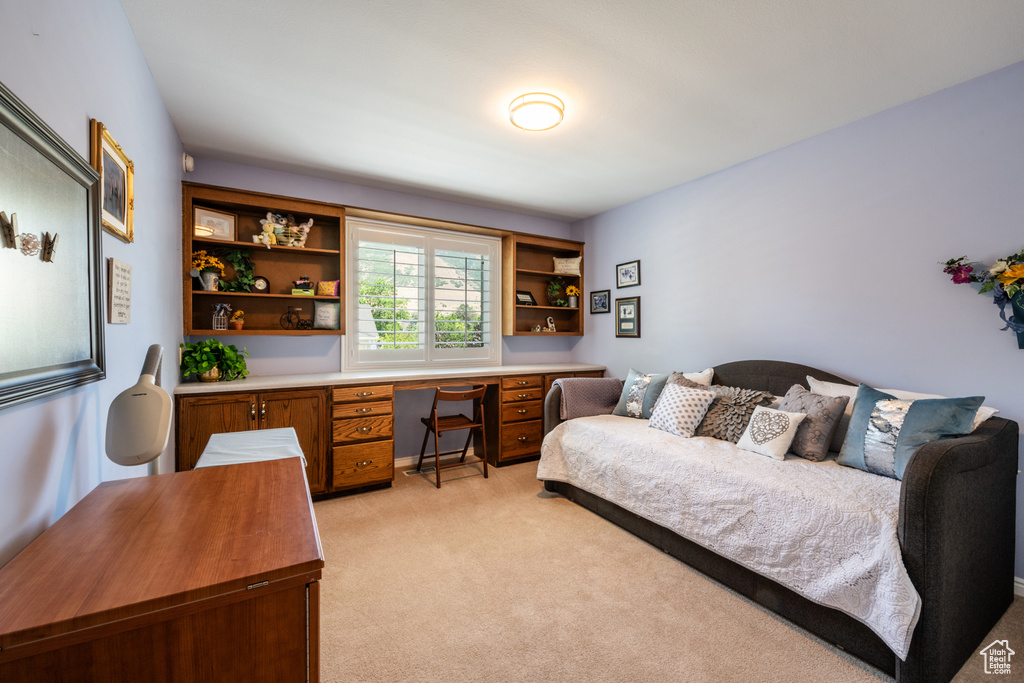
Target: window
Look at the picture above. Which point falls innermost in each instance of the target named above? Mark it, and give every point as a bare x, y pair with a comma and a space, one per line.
421, 297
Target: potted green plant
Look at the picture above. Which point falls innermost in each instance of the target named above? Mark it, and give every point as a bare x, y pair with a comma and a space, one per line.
212, 361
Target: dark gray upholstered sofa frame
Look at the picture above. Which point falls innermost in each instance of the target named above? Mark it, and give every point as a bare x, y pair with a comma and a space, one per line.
956, 530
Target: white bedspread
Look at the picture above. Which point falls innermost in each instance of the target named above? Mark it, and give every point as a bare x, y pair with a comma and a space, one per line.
825, 531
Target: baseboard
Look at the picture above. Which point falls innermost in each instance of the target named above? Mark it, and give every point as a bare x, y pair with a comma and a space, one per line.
411, 460
1018, 586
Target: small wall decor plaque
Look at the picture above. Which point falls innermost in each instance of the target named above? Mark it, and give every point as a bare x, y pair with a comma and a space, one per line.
119, 292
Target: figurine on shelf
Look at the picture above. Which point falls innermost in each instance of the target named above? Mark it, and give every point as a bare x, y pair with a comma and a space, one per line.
303, 283
220, 316
266, 237
551, 325
300, 232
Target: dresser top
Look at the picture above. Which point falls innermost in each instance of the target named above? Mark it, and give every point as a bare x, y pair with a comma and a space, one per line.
135, 546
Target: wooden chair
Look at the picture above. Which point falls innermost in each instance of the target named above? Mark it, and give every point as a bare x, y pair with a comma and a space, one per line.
449, 423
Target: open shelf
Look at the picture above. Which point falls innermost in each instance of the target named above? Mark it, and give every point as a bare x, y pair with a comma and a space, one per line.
321, 259
527, 266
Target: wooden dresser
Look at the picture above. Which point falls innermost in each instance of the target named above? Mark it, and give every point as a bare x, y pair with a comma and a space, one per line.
209, 575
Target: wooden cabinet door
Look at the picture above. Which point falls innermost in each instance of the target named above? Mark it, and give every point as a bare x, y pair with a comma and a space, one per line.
304, 411
201, 416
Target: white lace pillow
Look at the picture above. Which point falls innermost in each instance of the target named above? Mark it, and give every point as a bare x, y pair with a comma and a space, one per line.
680, 409
770, 432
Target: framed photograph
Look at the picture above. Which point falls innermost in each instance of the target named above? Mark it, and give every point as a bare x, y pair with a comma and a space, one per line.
214, 225
51, 317
627, 274
525, 299
600, 301
117, 183
627, 317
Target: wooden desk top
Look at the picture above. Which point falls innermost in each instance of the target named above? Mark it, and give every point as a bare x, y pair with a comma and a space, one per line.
402, 378
134, 546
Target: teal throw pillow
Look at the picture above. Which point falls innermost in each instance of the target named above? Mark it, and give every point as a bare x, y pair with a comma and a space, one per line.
639, 394
885, 431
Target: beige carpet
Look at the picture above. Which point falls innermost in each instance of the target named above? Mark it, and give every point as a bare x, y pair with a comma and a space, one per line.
497, 580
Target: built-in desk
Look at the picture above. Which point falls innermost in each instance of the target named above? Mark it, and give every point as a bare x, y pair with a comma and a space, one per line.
210, 575
345, 420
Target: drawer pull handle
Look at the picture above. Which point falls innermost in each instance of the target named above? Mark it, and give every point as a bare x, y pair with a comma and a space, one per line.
362, 394
522, 396
363, 410
524, 438
364, 463
365, 430
524, 411
252, 410
522, 383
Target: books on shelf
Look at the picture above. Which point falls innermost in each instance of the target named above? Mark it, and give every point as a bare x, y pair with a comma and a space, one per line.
302, 292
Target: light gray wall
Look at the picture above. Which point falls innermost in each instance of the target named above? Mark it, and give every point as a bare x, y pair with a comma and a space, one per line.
827, 253
272, 355
70, 61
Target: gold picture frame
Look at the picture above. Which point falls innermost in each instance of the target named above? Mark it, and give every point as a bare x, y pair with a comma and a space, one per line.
117, 183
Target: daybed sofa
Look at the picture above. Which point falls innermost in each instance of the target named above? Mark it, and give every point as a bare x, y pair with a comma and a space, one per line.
956, 530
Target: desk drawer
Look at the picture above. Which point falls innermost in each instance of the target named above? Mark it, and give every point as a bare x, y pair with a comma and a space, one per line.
377, 392
521, 438
518, 412
363, 429
342, 411
531, 394
363, 464
525, 382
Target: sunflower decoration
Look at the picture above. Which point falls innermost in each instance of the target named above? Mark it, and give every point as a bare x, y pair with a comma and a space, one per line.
205, 263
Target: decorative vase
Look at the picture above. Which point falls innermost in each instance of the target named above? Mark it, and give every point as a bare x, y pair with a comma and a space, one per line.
1017, 303
211, 375
574, 302
209, 280
236, 324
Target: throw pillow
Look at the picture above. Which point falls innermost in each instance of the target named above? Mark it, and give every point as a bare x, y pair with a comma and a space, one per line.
832, 389
680, 409
770, 432
326, 315
984, 412
815, 432
639, 394
703, 377
681, 379
886, 431
729, 413
327, 287
567, 266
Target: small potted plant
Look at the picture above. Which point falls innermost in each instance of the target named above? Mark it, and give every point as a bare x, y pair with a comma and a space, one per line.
237, 319
573, 292
212, 361
209, 269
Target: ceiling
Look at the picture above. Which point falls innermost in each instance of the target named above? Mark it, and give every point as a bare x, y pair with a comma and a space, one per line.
414, 95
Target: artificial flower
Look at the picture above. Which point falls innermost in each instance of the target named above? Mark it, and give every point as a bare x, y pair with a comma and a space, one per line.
1011, 274
997, 267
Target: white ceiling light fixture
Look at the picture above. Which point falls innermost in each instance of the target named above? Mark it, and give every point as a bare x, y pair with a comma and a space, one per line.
536, 111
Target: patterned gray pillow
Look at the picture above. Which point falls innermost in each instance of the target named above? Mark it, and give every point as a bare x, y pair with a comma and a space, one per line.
815, 433
680, 409
730, 412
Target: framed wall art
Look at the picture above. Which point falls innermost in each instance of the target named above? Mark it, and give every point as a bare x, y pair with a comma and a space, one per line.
627, 274
51, 327
214, 225
627, 317
600, 301
117, 183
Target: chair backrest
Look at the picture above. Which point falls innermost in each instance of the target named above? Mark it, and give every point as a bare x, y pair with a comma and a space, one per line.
476, 394
471, 395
